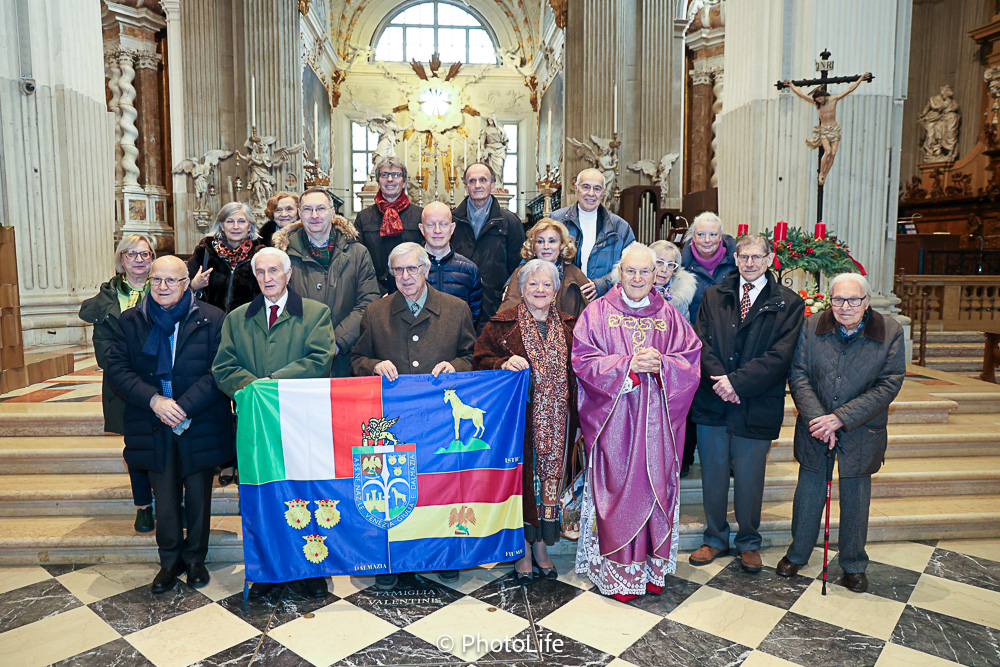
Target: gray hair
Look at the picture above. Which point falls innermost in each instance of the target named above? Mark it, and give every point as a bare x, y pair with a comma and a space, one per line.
857, 278
533, 266
666, 246
228, 210
405, 248
705, 216
286, 263
635, 245
391, 162
753, 239
128, 242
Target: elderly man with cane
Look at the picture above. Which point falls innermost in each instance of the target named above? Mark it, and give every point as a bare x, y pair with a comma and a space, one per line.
848, 368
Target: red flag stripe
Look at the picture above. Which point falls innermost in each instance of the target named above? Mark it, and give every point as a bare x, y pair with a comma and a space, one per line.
353, 401
483, 485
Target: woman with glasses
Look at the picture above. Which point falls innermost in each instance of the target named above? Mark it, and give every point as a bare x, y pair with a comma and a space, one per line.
550, 241
535, 334
674, 284
282, 210
133, 257
707, 254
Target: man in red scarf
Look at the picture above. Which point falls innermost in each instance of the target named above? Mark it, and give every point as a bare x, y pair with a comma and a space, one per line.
391, 220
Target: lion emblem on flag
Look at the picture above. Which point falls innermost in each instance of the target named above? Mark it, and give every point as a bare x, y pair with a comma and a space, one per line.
327, 515
297, 515
314, 549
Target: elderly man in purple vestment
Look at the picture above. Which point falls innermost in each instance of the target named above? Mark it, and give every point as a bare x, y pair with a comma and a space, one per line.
637, 362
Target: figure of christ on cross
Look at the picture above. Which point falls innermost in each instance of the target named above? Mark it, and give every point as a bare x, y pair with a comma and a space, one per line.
827, 133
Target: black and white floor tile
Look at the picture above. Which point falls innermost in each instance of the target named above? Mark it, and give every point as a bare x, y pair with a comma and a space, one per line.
930, 603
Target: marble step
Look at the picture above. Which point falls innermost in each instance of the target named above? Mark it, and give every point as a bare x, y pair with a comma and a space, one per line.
955, 364
949, 349
86, 495
48, 419
67, 454
111, 539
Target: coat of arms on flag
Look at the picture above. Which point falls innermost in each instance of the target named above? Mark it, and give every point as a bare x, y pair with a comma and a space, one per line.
436, 485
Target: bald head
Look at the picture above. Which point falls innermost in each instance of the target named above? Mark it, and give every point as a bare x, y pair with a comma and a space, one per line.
435, 209
591, 173
589, 189
164, 271
437, 227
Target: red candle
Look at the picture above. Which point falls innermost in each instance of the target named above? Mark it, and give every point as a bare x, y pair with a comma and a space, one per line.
781, 231
820, 230
743, 229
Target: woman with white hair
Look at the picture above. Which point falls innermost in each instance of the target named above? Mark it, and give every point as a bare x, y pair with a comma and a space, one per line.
708, 254
220, 265
534, 334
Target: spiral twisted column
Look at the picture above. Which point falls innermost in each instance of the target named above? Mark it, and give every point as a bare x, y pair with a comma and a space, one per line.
129, 132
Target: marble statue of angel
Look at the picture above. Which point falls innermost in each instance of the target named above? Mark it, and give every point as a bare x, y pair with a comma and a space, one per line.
604, 159
200, 169
263, 158
659, 172
385, 126
493, 146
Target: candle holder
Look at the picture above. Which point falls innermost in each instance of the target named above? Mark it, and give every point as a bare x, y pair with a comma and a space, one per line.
616, 193
420, 188
548, 185
452, 180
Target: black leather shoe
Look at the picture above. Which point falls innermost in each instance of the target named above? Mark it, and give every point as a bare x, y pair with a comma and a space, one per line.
855, 581
227, 476
316, 587
198, 576
144, 522
260, 590
786, 568
685, 470
386, 582
164, 580
549, 573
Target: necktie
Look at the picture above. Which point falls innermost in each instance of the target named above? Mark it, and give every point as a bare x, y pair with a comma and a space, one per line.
415, 308
745, 301
274, 316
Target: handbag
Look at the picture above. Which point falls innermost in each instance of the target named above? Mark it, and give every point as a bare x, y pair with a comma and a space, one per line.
571, 500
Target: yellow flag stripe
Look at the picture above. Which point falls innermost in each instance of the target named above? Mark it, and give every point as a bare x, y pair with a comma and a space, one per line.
433, 521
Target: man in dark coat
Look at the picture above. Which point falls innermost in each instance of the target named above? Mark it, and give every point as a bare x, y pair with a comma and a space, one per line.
391, 220
278, 335
450, 272
416, 330
748, 325
848, 367
489, 235
178, 425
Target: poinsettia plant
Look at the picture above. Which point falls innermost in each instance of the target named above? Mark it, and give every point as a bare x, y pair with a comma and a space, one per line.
815, 301
819, 256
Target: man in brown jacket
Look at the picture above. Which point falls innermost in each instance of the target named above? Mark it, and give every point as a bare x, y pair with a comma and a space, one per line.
330, 265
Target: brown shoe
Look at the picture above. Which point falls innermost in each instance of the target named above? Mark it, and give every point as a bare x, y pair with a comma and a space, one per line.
704, 555
750, 561
786, 568
855, 581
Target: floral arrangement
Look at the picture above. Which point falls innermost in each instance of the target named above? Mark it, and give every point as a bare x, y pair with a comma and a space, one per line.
815, 301
819, 256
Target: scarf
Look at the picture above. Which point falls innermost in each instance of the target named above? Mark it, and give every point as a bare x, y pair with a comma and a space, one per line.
712, 262
391, 224
164, 322
549, 402
665, 290
232, 256
128, 295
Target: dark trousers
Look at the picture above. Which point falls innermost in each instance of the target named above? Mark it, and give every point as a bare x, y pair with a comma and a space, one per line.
719, 451
808, 513
142, 492
168, 486
690, 442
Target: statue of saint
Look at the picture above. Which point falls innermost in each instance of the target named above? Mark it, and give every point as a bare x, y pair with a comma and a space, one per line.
940, 120
493, 147
827, 133
263, 158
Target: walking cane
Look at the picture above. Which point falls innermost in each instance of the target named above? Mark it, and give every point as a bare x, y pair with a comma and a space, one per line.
826, 532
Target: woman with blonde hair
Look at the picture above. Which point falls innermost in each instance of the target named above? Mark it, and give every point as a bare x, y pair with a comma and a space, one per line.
282, 210
550, 241
133, 257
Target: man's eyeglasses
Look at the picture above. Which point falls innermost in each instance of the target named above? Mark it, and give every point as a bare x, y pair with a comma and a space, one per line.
751, 259
390, 174
138, 254
169, 282
587, 187
631, 272
398, 271
853, 301
664, 264
321, 210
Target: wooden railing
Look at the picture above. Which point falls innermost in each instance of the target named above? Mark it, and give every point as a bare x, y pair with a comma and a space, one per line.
949, 303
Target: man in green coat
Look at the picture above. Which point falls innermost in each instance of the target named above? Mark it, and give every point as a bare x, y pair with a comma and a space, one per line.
278, 335
332, 266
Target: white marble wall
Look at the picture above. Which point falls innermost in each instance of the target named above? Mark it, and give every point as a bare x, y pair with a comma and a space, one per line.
56, 162
766, 172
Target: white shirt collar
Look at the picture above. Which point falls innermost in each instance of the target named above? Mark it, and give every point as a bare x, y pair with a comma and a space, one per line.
757, 284
635, 304
280, 303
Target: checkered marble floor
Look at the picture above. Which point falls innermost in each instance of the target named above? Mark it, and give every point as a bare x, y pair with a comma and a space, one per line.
929, 603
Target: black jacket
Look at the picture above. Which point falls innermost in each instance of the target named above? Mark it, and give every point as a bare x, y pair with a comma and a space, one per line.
103, 311
369, 222
267, 231
756, 355
208, 442
456, 275
227, 289
496, 252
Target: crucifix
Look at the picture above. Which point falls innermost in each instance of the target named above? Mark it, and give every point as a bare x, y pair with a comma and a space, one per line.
826, 135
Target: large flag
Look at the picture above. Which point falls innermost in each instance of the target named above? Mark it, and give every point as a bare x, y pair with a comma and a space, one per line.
365, 476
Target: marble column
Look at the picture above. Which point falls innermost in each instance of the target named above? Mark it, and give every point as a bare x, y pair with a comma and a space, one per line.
766, 172
175, 104
717, 78
705, 45
56, 162
699, 134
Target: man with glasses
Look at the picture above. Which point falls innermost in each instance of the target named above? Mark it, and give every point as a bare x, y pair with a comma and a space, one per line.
599, 235
848, 368
178, 424
488, 234
749, 325
450, 272
330, 265
391, 220
416, 330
